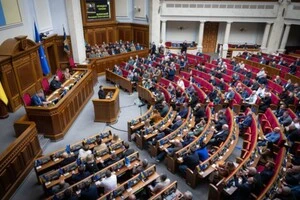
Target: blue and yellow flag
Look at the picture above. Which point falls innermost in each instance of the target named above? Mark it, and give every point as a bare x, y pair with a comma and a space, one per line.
43, 58
3, 95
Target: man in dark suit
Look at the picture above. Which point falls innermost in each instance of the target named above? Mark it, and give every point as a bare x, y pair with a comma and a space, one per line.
255, 85
244, 124
289, 86
184, 111
67, 159
198, 113
279, 112
285, 119
101, 93
177, 124
190, 161
89, 191
184, 47
55, 83
153, 48
194, 100
219, 137
82, 174
127, 151
265, 102
229, 95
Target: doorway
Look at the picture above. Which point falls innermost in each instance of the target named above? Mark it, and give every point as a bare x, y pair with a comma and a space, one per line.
210, 37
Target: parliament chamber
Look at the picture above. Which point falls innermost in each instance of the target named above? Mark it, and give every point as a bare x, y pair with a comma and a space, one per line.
201, 99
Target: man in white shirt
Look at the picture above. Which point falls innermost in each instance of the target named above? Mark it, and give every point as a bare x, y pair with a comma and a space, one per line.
261, 73
261, 91
252, 98
109, 183
84, 152
180, 83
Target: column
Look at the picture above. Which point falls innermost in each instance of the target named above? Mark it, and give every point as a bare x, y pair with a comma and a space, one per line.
200, 40
154, 25
277, 28
163, 31
265, 37
284, 38
76, 30
226, 39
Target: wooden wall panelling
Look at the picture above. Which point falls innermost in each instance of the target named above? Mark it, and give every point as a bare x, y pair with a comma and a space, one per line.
21, 69
17, 160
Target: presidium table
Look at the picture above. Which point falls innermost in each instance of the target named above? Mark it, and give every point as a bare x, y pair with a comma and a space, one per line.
107, 110
55, 119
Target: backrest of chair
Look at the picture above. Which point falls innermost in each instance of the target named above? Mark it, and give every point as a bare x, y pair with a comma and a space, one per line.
60, 75
27, 99
45, 85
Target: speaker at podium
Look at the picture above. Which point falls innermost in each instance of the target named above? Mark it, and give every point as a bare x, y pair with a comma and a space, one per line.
107, 110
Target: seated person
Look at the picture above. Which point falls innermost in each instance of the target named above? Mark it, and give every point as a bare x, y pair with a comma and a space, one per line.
229, 95
67, 159
155, 117
279, 112
198, 112
184, 111
175, 146
82, 174
67, 74
127, 151
199, 127
222, 171
140, 167
219, 137
251, 100
38, 99
267, 173
109, 183
202, 152
194, 99
100, 145
101, 93
55, 83
164, 109
91, 164
220, 120
244, 124
84, 152
265, 102
113, 159
285, 119
60, 187
190, 160
162, 184
272, 137
69, 195
89, 191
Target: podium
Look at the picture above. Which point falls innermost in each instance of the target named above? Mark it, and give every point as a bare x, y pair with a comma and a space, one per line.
107, 110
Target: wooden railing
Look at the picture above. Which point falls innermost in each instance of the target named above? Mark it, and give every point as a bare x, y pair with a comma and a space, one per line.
17, 160
101, 64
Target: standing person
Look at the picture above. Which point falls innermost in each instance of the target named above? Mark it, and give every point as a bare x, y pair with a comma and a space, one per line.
101, 93
184, 47
153, 48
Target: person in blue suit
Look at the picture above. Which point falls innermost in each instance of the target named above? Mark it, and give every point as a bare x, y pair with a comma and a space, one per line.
244, 124
38, 99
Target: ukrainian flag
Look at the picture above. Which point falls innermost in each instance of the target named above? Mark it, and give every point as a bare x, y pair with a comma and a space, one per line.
3, 95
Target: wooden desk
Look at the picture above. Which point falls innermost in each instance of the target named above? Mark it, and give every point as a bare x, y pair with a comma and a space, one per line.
54, 121
17, 160
107, 110
119, 80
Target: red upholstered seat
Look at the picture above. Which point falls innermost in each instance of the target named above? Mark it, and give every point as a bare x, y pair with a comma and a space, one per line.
168, 44
60, 75
26, 99
46, 86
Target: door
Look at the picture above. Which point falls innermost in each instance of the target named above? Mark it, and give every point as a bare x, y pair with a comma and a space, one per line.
210, 37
